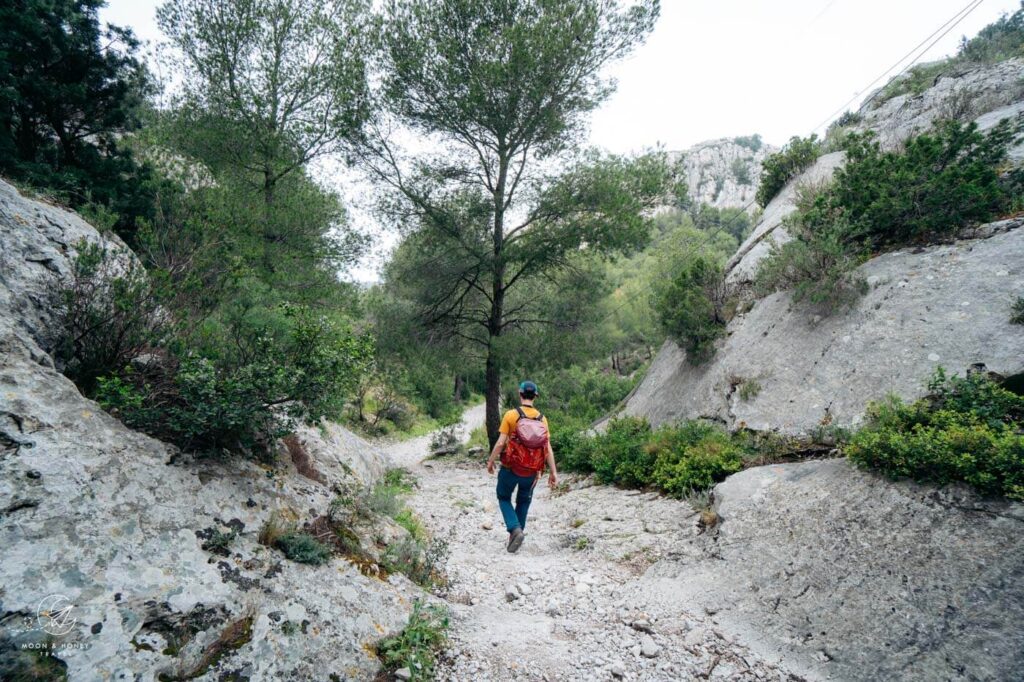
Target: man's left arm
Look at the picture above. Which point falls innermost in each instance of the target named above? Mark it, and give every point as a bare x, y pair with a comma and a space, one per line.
553, 475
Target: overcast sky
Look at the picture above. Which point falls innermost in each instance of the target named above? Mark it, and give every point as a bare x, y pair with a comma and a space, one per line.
721, 68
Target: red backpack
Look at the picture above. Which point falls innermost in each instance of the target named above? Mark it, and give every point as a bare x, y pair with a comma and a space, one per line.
527, 447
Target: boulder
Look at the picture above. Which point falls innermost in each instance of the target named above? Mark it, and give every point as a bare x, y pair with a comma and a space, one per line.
96, 519
846, 575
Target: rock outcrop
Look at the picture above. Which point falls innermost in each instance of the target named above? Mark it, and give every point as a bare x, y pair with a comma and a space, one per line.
844, 575
725, 173
96, 518
942, 305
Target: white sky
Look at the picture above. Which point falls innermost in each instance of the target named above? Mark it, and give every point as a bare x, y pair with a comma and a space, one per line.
721, 68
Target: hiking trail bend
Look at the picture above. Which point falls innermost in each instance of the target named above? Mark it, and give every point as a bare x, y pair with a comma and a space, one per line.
572, 604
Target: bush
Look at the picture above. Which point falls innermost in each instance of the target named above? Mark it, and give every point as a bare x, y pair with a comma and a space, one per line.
817, 266
416, 647
694, 456
241, 402
967, 429
784, 165
423, 563
303, 548
673, 459
1017, 311
941, 181
692, 308
751, 142
620, 455
107, 317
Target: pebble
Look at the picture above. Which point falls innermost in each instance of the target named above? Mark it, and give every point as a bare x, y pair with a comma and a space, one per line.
403, 674
642, 625
694, 637
524, 589
511, 594
487, 525
618, 669
648, 647
553, 608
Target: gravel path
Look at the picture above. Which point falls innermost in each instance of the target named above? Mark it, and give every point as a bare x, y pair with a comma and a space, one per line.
572, 604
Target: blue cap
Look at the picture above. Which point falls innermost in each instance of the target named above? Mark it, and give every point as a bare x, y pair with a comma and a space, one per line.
528, 387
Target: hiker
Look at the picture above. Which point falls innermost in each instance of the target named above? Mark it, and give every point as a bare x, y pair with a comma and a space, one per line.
524, 448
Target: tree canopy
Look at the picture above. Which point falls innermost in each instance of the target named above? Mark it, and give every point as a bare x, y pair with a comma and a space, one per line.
502, 88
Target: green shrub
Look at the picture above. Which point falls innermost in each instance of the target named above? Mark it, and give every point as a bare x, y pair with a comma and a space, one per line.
749, 389
303, 548
740, 171
241, 402
107, 317
940, 182
620, 455
967, 429
817, 266
1017, 311
573, 449
691, 308
784, 165
692, 456
416, 647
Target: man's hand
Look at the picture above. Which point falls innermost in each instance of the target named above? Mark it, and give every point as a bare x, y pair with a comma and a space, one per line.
490, 466
552, 479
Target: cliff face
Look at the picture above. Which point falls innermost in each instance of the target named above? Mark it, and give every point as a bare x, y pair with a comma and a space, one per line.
942, 305
96, 517
724, 173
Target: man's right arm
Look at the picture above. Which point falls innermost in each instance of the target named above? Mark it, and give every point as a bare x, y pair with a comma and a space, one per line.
496, 451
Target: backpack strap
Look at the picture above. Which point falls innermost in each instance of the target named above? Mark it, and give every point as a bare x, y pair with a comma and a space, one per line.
522, 415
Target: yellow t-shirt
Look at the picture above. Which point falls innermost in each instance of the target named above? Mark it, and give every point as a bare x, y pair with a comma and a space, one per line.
511, 418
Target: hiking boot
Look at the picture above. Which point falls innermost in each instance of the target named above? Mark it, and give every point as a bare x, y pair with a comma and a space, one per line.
515, 540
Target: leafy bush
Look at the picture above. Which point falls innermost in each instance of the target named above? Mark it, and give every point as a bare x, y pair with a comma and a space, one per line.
784, 165
740, 171
940, 182
751, 142
240, 402
673, 459
416, 647
692, 307
1017, 311
694, 456
422, 562
620, 455
303, 548
817, 266
107, 316
967, 429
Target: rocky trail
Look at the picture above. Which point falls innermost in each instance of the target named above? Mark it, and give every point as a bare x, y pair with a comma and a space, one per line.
571, 604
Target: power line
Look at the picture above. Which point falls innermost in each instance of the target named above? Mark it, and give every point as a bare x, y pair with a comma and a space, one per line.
945, 28
951, 23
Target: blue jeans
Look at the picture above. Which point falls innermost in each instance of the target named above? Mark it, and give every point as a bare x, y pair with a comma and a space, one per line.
515, 517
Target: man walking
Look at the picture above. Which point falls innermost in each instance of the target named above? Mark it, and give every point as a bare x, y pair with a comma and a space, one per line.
524, 448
